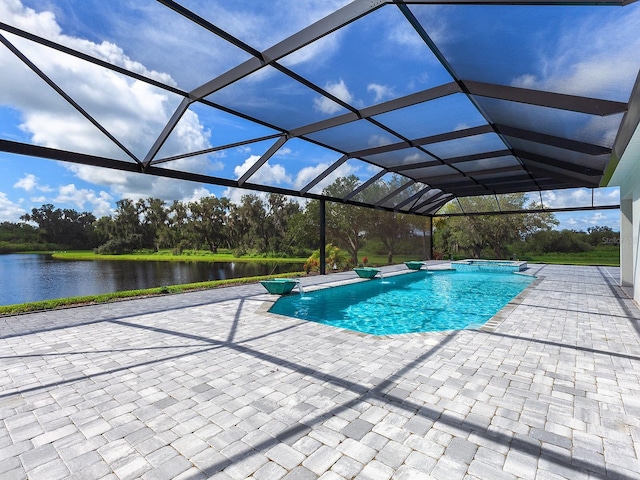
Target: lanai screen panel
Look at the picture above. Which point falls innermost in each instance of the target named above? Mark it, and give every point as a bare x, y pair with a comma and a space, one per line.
420, 101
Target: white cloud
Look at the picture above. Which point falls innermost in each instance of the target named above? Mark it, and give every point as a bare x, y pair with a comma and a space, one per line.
378, 140
412, 158
399, 32
30, 182
45, 23
382, 92
406, 36
601, 48
198, 194
84, 199
135, 186
10, 211
244, 149
240, 170
418, 82
235, 194
266, 175
581, 221
434, 20
255, 22
27, 183
284, 152
580, 197
550, 199
607, 196
373, 169
339, 90
188, 136
315, 53
132, 111
307, 174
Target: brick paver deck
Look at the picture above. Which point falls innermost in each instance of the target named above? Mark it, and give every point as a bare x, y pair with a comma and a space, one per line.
206, 385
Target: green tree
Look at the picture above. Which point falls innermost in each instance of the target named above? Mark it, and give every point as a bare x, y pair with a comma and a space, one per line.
127, 232
554, 241
126, 219
390, 227
303, 229
62, 227
18, 233
208, 220
154, 224
280, 211
49, 220
422, 225
603, 235
178, 226
104, 229
491, 232
238, 230
16, 237
347, 224
253, 224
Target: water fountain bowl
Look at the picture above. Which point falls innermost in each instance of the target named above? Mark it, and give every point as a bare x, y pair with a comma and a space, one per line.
279, 286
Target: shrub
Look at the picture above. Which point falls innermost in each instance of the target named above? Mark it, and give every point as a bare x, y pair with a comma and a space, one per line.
118, 246
335, 259
553, 241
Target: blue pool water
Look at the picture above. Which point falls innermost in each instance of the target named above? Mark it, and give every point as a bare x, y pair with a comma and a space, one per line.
420, 301
497, 266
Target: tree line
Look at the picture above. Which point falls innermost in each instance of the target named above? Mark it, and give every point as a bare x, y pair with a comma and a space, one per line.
271, 225
504, 235
275, 225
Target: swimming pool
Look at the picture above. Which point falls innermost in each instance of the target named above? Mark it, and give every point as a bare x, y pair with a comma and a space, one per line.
419, 301
504, 266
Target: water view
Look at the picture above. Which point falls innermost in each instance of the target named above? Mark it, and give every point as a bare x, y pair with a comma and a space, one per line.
33, 277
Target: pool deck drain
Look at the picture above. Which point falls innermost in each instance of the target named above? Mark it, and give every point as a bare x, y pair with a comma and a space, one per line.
205, 385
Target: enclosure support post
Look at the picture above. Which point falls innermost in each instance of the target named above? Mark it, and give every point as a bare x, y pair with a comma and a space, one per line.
323, 240
626, 243
430, 238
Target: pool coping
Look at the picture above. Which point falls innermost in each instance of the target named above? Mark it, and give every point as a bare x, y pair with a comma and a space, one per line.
489, 326
502, 314
263, 309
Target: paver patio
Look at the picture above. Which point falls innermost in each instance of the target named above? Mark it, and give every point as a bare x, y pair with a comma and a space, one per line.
206, 385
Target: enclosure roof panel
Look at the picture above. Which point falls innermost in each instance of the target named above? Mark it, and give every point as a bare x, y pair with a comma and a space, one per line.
458, 98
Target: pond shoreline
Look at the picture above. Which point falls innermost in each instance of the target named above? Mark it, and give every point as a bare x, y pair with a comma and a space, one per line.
169, 257
70, 302
29, 278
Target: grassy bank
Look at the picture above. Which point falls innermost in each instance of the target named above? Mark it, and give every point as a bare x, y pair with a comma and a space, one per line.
115, 296
600, 256
167, 256
223, 256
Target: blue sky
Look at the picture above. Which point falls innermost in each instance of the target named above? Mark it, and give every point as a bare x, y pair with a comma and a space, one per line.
154, 41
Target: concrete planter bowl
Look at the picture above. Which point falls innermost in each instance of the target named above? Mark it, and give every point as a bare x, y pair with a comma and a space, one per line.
366, 272
279, 286
414, 265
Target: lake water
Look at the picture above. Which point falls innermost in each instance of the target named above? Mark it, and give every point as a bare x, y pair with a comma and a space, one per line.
33, 277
